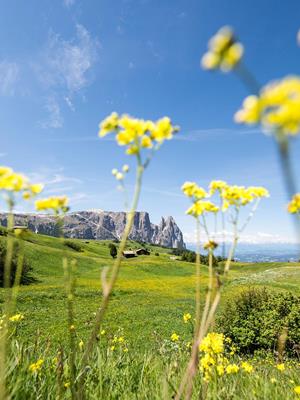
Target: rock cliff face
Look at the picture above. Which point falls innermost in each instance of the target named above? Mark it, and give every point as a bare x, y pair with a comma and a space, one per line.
104, 225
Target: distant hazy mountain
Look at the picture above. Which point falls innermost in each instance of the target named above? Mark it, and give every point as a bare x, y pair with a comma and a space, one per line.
104, 225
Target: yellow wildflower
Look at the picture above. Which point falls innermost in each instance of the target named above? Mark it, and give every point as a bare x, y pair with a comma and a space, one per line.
137, 133
277, 108
297, 389
220, 369
121, 339
102, 332
16, 318
200, 207
224, 51
273, 380
186, 317
246, 367
232, 369
191, 189
163, 130
56, 204
146, 142
174, 337
131, 150
280, 367
66, 385
217, 185
294, 205
109, 124
212, 343
37, 366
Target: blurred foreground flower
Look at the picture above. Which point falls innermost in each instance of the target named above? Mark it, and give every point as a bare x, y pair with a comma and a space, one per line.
56, 204
12, 183
294, 205
224, 52
276, 108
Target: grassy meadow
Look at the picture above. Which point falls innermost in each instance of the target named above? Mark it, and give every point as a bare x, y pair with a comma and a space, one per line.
135, 357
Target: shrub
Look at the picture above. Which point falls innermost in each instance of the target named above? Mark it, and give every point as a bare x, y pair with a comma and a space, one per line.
73, 245
157, 254
256, 318
26, 277
113, 250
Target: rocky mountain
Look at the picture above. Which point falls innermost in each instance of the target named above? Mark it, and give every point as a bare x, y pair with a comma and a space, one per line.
104, 225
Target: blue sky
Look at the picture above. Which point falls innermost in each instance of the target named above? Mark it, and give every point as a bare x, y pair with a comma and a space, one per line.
66, 64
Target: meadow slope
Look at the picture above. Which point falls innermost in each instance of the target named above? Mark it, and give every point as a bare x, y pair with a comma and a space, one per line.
150, 298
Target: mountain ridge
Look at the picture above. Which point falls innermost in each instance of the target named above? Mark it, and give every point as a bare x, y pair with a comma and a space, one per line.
101, 225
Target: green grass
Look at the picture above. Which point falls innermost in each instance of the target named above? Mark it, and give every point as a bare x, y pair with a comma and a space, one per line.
151, 294
147, 305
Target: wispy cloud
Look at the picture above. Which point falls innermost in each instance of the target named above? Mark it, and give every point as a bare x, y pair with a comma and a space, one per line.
201, 134
9, 75
68, 3
54, 118
64, 68
66, 63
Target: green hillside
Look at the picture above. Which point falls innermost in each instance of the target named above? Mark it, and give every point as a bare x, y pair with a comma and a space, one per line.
151, 295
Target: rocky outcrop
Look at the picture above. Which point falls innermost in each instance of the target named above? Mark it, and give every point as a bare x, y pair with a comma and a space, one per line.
104, 225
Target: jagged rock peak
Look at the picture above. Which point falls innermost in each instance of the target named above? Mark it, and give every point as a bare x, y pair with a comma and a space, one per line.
101, 225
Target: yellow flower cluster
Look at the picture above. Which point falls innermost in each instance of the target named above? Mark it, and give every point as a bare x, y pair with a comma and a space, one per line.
56, 204
135, 133
200, 207
186, 317
230, 195
191, 189
246, 367
224, 52
280, 367
213, 361
119, 341
16, 318
241, 195
294, 205
276, 108
37, 366
174, 337
11, 181
213, 343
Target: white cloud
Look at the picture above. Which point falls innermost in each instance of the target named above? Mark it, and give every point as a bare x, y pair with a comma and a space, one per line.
66, 63
54, 119
9, 75
257, 238
64, 68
